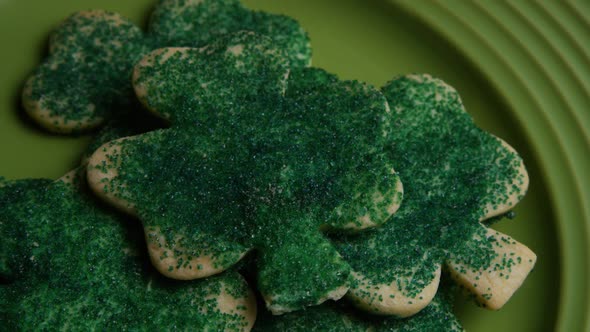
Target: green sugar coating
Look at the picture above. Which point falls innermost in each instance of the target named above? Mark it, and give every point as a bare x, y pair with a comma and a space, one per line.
87, 74
260, 163
194, 23
168, 175
85, 79
81, 268
129, 122
338, 317
11, 259
451, 171
191, 86
333, 135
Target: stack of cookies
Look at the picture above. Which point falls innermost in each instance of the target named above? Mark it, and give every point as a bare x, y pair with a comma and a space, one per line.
232, 186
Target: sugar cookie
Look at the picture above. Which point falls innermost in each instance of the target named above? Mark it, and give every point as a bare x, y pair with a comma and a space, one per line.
455, 175
81, 266
85, 79
86, 76
262, 163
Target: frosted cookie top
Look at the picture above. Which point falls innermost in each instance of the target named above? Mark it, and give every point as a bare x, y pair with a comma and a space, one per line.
75, 264
455, 176
262, 163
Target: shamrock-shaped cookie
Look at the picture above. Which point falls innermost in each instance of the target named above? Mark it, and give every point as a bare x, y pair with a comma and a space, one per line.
455, 177
76, 265
259, 156
86, 77
338, 317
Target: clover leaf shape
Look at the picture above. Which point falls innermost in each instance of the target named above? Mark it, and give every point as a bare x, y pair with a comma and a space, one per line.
86, 74
328, 317
456, 176
259, 156
76, 264
85, 78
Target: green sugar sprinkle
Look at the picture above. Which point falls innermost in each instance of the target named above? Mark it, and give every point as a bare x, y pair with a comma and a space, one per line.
126, 122
190, 86
338, 317
261, 163
87, 74
73, 264
192, 23
451, 170
11, 260
85, 80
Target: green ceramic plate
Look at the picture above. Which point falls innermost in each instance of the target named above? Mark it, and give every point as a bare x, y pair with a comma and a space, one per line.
522, 69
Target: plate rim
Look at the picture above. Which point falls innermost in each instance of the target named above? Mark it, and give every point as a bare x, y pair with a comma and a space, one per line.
561, 163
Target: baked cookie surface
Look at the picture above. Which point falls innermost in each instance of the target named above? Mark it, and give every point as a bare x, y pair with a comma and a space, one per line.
86, 76
455, 177
85, 79
259, 164
194, 23
75, 265
338, 317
